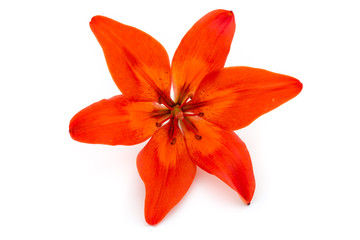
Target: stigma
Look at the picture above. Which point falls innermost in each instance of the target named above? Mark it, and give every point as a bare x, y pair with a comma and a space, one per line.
178, 113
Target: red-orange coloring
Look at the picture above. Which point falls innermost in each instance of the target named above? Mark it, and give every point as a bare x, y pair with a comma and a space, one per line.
196, 128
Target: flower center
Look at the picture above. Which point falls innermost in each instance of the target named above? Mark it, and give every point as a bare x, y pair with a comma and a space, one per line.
182, 112
177, 112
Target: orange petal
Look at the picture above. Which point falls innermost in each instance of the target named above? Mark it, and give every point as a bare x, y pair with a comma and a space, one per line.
138, 63
203, 49
234, 97
115, 121
223, 154
167, 171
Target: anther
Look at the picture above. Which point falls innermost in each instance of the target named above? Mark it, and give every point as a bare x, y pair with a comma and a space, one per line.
159, 124
198, 137
173, 141
201, 114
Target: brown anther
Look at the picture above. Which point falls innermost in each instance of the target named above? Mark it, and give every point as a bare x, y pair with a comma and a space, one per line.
173, 141
158, 124
198, 137
201, 114
159, 100
191, 96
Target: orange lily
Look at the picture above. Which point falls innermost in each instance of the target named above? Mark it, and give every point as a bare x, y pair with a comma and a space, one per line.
195, 129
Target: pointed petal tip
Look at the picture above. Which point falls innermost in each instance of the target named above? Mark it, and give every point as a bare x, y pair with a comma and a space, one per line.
248, 195
227, 14
297, 85
153, 217
72, 129
93, 19
73, 134
231, 16
300, 85
230, 13
152, 221
96, 20
247, 198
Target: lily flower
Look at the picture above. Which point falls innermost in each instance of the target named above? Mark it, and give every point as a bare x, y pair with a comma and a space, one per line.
193, 129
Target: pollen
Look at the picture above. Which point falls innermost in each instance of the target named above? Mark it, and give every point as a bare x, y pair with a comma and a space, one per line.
198, 137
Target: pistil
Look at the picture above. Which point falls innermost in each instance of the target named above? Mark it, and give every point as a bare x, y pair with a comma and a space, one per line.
176, 112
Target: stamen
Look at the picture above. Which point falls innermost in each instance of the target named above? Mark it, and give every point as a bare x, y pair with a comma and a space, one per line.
160, 113
190, 126
173, 123
159, 124
160, 101
173, 141
194, 105
198, 137
190, 96
201, 114
190, 114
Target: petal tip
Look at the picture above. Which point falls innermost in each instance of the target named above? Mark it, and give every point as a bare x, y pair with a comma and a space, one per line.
247, 195
300, 85
231, 16
72, 129
151, 223
152, 220
223, 11
227, 15
95, 20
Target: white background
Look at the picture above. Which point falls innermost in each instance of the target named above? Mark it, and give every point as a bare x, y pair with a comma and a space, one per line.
305, 153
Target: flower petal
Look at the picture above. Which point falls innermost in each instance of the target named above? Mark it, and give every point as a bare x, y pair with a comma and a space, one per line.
203, 49
223, 154
234, 97
115, 121
167, 171
138, 63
